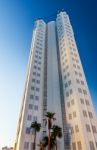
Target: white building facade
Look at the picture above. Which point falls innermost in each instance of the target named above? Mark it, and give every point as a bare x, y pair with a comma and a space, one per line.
56, 82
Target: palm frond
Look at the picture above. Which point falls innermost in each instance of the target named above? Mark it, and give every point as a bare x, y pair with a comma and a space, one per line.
56, 131
35, 126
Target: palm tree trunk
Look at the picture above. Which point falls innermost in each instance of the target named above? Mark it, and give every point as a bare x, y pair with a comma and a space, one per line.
34, 144
56, 143
49, 140
48, 134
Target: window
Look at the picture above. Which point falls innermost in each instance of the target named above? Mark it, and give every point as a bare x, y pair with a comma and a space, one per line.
67, 94
39, 63
67, 67
39, 68
82, 100
72, 101
77, 61
64, 70
74, 114
37, 89
32, 88
61, 52
69, 82
94, 129
38, 74
80, 74
26, 145
66, 85
77, 80
79, 90
79, 145
74, 65
39, 44
82, 82
73, 44
65, 77
68, 104
36, 97
85, 92
96, 144
33, 80
38, 81
88, 128
75, 54
36, 107
91, 145
74, 146
68, 74
29, 117
34, 73
30, 106
27, 130
76, 128
70, 116
78, 66
66, 61
71, 91
39, 57
40, 53
35, 118
70, 46
76, 72
74, 49
72, 130
87, 102
63, 64
84, 113
31, 96
73, 59
36, 56
90, 114
35, 60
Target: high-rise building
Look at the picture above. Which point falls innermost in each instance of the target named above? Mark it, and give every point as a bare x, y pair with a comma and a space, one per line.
55, 82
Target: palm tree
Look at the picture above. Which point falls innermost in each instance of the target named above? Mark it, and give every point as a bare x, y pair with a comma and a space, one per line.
56, 132
36, 126
41, 145
50, 117
45, 142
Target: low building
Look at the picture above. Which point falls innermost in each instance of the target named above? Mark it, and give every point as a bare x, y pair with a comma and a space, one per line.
7, 148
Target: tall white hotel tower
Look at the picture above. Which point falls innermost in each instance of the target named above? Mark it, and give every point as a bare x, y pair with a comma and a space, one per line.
56, 82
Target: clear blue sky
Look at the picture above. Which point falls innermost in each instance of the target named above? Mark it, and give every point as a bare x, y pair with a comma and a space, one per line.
16, 24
